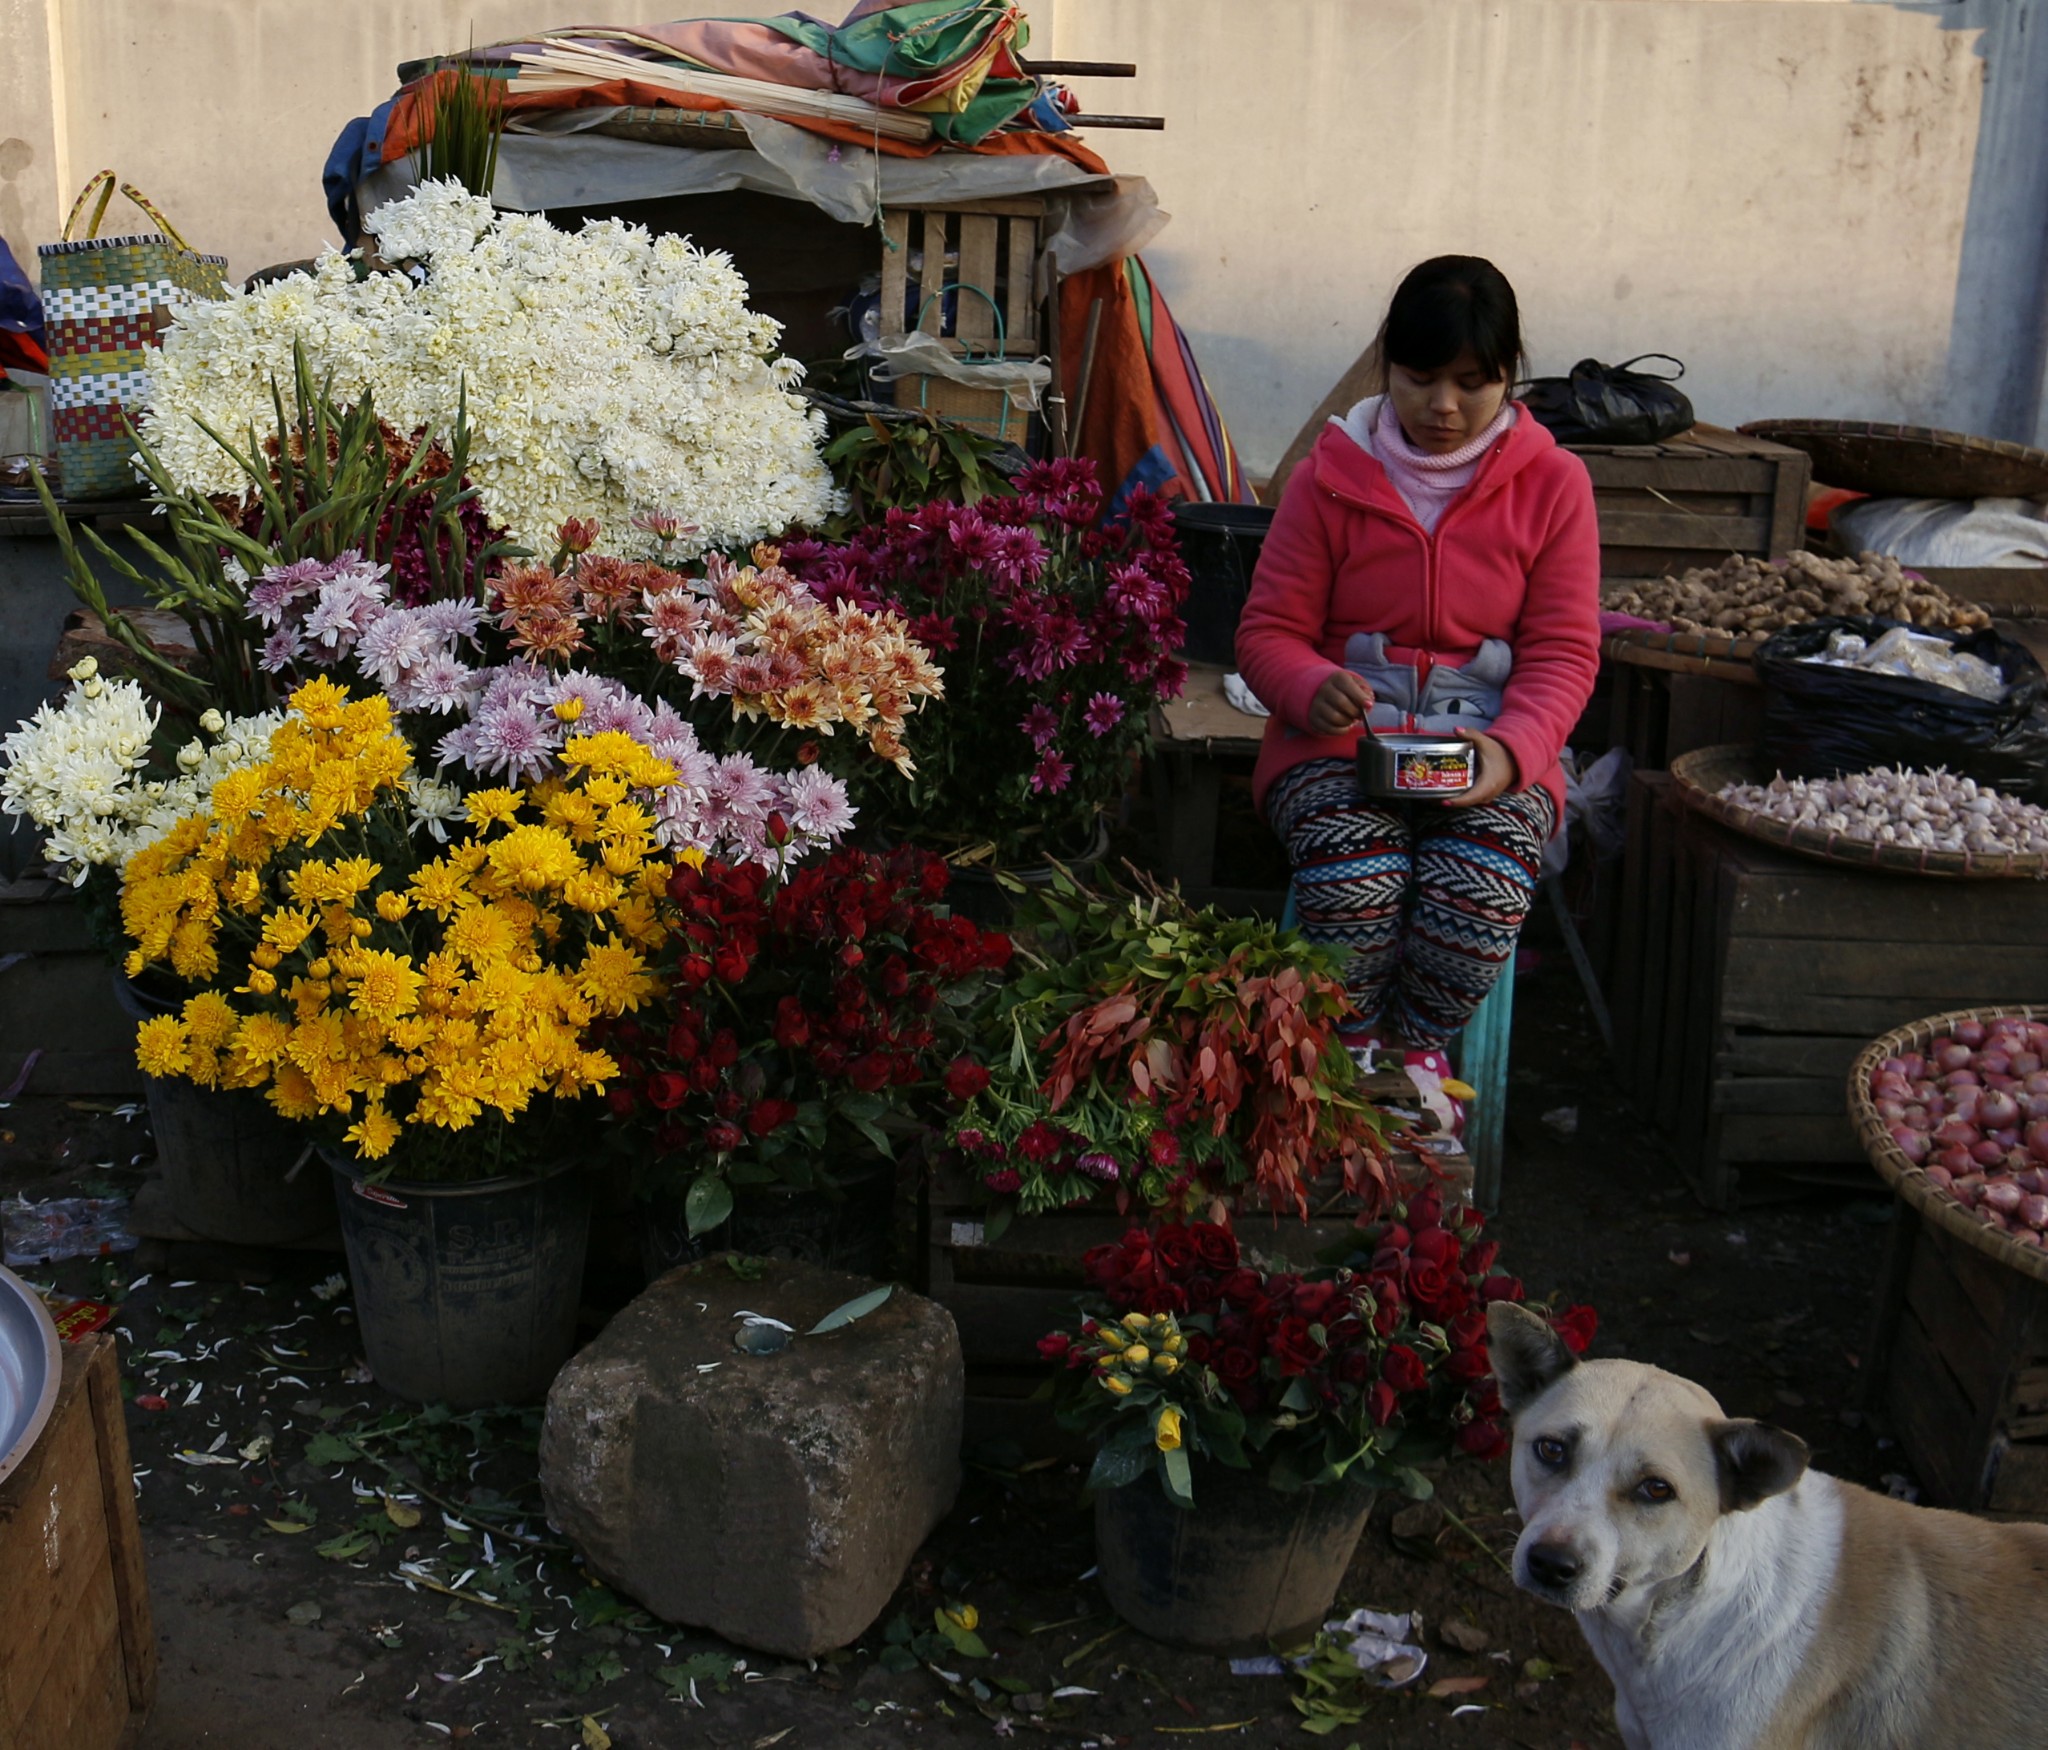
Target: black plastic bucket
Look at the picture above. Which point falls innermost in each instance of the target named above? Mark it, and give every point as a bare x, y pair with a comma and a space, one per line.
849, 1230
234, 1169
974, 892
1220, 543
466, 1294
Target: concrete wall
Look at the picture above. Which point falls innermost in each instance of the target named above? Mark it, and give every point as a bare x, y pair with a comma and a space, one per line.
1825, 208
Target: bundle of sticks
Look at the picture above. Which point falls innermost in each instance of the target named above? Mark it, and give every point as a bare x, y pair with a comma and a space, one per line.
567, 66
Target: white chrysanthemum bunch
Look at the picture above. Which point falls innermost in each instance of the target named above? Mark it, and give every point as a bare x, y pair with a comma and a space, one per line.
611, 375
76, 770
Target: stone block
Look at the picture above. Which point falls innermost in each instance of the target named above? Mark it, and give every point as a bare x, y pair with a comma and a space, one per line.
773, 1499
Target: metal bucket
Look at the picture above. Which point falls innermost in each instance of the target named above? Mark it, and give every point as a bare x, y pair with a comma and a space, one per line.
30, 1363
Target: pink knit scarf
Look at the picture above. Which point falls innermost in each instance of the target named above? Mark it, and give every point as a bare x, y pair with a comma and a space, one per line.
1429, 483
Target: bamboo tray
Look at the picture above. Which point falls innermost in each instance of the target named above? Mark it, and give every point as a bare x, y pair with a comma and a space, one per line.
1912, 1184
1910, 461
1701, 774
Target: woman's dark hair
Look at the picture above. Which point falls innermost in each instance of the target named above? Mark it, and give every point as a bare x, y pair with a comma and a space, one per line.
1447, 304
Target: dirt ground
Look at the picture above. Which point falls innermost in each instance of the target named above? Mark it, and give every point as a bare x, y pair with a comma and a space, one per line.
362, 1575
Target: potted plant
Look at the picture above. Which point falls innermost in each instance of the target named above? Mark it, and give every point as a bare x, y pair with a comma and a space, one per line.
1243, 1417
1152, 1056
1055, 631
414, 985
806, 1022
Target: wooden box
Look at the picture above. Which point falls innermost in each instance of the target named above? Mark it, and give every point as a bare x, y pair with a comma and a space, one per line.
1004, 1294
973, 283
1694, 500
1958, 1363
1745, 980
1662, 704
77, 1648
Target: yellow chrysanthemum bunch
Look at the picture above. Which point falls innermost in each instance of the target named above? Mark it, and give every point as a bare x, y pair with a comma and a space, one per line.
381, 988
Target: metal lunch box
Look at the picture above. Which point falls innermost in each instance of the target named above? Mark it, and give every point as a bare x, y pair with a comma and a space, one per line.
1401, 767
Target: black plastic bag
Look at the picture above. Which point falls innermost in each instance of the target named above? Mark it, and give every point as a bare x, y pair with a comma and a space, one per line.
1610, 404
1820, 722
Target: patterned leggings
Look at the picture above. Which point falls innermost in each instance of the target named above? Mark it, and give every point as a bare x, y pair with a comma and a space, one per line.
1428, 899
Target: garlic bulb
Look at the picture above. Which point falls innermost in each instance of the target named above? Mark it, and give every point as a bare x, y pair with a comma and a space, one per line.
1927, 811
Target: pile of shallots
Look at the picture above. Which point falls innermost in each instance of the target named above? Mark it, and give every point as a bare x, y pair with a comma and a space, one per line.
1920, 811
1972, 1109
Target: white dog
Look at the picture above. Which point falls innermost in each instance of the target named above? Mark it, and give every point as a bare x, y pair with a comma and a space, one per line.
1740, 1601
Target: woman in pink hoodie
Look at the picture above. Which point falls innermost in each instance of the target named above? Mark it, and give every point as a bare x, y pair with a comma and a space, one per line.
1434, 564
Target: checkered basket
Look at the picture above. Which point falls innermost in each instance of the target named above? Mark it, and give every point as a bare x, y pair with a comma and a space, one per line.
106, 300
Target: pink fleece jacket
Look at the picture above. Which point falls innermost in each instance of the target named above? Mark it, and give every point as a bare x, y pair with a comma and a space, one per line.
1515, 557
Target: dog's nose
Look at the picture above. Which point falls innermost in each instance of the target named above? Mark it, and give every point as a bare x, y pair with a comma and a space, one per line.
1553, 1564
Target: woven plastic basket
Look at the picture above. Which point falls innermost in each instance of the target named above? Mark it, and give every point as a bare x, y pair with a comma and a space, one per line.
1910, 461
1701, 775
1918, 1192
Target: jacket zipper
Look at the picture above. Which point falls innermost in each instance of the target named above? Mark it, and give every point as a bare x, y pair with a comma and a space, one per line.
1425, 662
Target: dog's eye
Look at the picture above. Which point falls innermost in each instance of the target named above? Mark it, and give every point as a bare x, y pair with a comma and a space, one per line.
1655, 1491
1548, 1449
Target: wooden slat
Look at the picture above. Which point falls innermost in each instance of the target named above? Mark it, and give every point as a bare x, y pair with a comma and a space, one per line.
1824, 1057
1956, 1325
1931, 1415
124, 1535
1020, 316
1745, 1137
1677, 526
1988, 1285
895, 268
1641, 472
1778, 1096
2019, 1480
931, 282
1770, 978
975, 324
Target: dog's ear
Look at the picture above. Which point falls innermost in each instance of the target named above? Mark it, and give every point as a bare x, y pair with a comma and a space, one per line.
1755, 1461
1528, 1356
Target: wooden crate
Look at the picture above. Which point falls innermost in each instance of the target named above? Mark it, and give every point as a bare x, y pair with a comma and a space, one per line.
1958, 1363
1695, 500
1661, 704
1746, 979
975, 288
1007, 1293
77, 1647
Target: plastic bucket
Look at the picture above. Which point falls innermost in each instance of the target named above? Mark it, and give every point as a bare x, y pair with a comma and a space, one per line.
975, 893
1220, 543
1249, 1569
466, 1294
233, 1169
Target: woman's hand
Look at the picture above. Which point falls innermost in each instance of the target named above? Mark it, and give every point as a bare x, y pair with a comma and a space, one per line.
1341, 703
1497, 773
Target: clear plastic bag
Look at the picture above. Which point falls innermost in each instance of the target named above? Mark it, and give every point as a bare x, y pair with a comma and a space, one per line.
63, 1227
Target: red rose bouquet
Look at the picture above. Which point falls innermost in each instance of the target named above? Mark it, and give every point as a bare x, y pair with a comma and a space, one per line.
799, 1013
1308, 1378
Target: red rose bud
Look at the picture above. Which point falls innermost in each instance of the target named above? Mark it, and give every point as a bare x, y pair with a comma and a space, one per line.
723, 1137
1425, 1209
1577, 1325
778, 832
1467, 1366
1482, 1439
1402, 1369
1500, 1288
667, 1090
1382, 1402
965, 1078
807, 753
1054, 1346
1435, 1245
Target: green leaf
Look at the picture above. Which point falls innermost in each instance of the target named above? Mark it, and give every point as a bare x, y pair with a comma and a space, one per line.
1115, 1466
346, 1547
1180, 1481
708, 1204
962, 1639
326, 1449
857, 1308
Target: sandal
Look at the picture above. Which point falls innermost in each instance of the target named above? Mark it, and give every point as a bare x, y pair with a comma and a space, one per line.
1437, 1088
